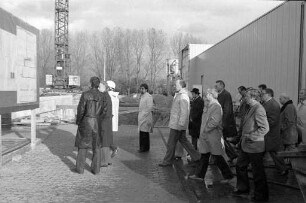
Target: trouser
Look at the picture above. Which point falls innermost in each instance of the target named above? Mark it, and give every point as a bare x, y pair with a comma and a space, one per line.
105, 156
144, 141
219, 161
174, 137
194, 141
278, 161
179, 150
261, 189
81, 159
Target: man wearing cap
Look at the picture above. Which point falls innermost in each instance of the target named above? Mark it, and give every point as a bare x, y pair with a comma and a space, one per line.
145, 119
195, 117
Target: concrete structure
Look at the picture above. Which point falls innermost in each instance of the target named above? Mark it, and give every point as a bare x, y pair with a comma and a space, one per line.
18, 64
269, 50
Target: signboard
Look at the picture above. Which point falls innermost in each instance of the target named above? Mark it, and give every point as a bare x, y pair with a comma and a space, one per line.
18, 64
172, 66
49, 80
73, 80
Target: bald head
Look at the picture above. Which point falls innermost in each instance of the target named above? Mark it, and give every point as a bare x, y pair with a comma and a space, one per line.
283, 98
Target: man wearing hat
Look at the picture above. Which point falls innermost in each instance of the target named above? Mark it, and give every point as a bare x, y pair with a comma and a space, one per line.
195, 117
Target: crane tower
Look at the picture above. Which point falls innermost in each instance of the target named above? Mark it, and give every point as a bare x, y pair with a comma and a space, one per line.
62, 56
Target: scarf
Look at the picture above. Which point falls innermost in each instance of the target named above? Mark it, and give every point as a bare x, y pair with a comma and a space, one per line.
285, 105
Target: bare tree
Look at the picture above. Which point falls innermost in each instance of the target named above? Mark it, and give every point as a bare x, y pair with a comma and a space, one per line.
79, 54
179, 40
110, 52
46, 60
97, 54
138, 47
156, 49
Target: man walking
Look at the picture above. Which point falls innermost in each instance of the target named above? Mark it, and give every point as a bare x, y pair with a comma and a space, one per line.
145, 119
254, 128
89, 113
195, 118
273, 140
179, 117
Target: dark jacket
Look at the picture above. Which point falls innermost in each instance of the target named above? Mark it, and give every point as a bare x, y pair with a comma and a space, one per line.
89, 112
195, 117
106, 132
228, 120
272, 138
288, 121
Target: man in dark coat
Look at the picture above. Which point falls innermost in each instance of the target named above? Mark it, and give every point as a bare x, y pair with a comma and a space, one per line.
226, 102
272, 139
106, 133
195, 117
228, 119
89, 112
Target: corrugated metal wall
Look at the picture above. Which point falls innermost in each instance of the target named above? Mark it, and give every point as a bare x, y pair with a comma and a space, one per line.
265, 51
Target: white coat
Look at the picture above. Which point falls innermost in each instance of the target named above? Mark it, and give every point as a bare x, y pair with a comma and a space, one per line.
145, 118
115, 109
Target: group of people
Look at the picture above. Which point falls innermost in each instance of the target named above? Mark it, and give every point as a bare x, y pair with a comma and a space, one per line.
97, 120
264, 127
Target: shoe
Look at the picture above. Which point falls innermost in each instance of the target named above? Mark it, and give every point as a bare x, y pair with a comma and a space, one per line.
163, 164
195, 177
114, 153
284, 173
239, 193
110, 164
261, 199
178, 157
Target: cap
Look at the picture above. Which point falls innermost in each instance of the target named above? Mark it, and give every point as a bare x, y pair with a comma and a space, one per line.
111, 84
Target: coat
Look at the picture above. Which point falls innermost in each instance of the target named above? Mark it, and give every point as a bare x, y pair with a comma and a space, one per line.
228, 119
254, 128
106, 132
289, 133
145, 118
179, 113
273, 140
115, 109
211, 139
195, 117
301, 113
89, 112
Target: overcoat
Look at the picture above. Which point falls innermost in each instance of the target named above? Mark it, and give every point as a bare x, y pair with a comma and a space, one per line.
228, 119
289, 133
211, 139
254, 128
195, 117
106, 132
115, 109
145, 118
89, 112
273, 140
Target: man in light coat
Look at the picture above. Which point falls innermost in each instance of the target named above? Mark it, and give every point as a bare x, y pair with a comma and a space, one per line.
254, 128
111, 85
301, 113
145, 118
179, 118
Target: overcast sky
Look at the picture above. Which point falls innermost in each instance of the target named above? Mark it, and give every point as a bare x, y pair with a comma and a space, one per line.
211, 20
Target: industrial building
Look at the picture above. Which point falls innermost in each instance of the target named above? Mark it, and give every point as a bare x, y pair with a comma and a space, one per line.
269, 50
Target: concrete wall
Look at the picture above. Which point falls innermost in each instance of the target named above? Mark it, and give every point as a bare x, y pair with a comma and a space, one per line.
265, 51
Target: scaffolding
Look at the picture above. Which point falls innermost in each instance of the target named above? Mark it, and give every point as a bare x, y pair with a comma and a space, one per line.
62, 56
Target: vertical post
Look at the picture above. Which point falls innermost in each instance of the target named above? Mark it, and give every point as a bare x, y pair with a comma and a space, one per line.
301, 51
0, 142
104, 67
33, 128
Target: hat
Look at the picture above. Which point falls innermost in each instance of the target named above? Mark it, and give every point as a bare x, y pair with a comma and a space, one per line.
111, 84
195, 90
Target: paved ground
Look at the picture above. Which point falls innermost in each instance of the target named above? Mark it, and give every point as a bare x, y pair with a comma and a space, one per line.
44, 175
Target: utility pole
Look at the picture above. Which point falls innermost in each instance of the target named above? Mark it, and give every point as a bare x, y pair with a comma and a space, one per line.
62, 56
